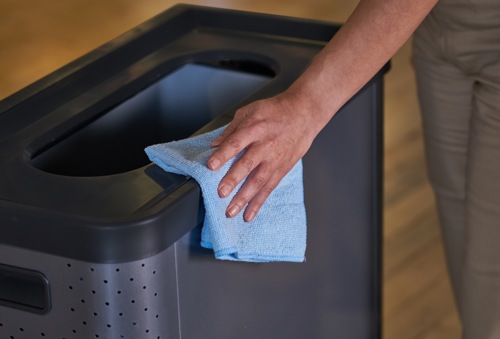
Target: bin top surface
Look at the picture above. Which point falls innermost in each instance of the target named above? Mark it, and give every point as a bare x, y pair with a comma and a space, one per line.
120, 207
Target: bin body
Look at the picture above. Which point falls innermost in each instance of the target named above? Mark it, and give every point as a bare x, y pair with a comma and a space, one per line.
99, 243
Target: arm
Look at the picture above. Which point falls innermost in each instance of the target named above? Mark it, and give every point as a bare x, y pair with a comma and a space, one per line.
278, 131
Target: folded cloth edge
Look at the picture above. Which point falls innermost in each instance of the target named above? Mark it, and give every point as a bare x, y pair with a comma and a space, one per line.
164, 159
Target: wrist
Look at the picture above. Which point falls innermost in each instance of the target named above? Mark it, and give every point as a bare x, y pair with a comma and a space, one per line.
314, 101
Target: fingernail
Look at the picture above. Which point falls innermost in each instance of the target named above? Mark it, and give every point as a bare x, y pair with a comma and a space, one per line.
215, 142
224, 191
214, 164
250, 216
232, 211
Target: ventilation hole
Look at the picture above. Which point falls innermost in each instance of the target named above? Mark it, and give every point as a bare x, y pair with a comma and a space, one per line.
21, 329
91, 269
70, 287
154, 272
81, 278
119, 292
146, 309
93, 291
83, 301
156, 294
120, 314
132, 301
108, 325
72, 309
143, 265
84, 322
95, 314
144, 287
117, 270
135, 324
106, 303
69, 265
97, 335
12, 337
74, 331
42, 334
105, 281
147, 331
157, 316
131, 279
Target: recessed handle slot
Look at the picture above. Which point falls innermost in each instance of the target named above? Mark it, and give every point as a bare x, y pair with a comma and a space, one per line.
24, 289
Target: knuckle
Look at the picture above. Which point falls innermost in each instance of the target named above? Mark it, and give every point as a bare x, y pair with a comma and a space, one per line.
259, 181
247, 163
257, 202
267, 190
234, 143
231, 181
242, 113
281, 171
241, 199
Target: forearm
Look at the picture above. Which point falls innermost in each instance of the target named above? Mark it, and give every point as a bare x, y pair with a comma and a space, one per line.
369, 38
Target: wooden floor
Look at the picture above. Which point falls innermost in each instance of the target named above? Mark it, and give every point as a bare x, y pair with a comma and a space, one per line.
39, 36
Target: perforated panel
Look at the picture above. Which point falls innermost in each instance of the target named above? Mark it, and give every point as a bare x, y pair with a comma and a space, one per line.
128, 300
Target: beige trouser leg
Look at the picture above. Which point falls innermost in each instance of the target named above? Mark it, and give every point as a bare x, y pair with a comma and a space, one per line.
460, 101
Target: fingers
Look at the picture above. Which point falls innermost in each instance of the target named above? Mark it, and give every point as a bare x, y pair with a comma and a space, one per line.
254, 192
231, 142
259, 200
239, 171
262, 176
250, 166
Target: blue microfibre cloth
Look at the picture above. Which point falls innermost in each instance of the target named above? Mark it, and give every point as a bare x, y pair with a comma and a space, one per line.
277, 233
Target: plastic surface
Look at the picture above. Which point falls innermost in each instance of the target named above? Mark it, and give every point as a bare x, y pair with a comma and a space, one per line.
107, 246
336, 293
66, 197
24, 289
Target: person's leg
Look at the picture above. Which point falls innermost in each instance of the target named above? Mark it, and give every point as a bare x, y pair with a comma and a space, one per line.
459, 91
445, 96
481, 272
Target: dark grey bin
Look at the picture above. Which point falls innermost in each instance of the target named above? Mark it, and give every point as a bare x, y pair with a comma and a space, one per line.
98, 243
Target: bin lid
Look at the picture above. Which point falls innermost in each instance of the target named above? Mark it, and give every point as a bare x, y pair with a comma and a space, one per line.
134, 214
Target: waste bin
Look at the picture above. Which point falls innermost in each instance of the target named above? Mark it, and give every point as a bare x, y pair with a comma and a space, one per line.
96, 242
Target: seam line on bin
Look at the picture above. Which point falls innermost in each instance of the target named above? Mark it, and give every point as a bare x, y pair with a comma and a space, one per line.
177, 291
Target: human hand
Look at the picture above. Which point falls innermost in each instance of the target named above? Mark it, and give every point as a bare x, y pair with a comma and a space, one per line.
276, 133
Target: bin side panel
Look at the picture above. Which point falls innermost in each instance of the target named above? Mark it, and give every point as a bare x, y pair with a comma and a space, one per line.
335, 293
